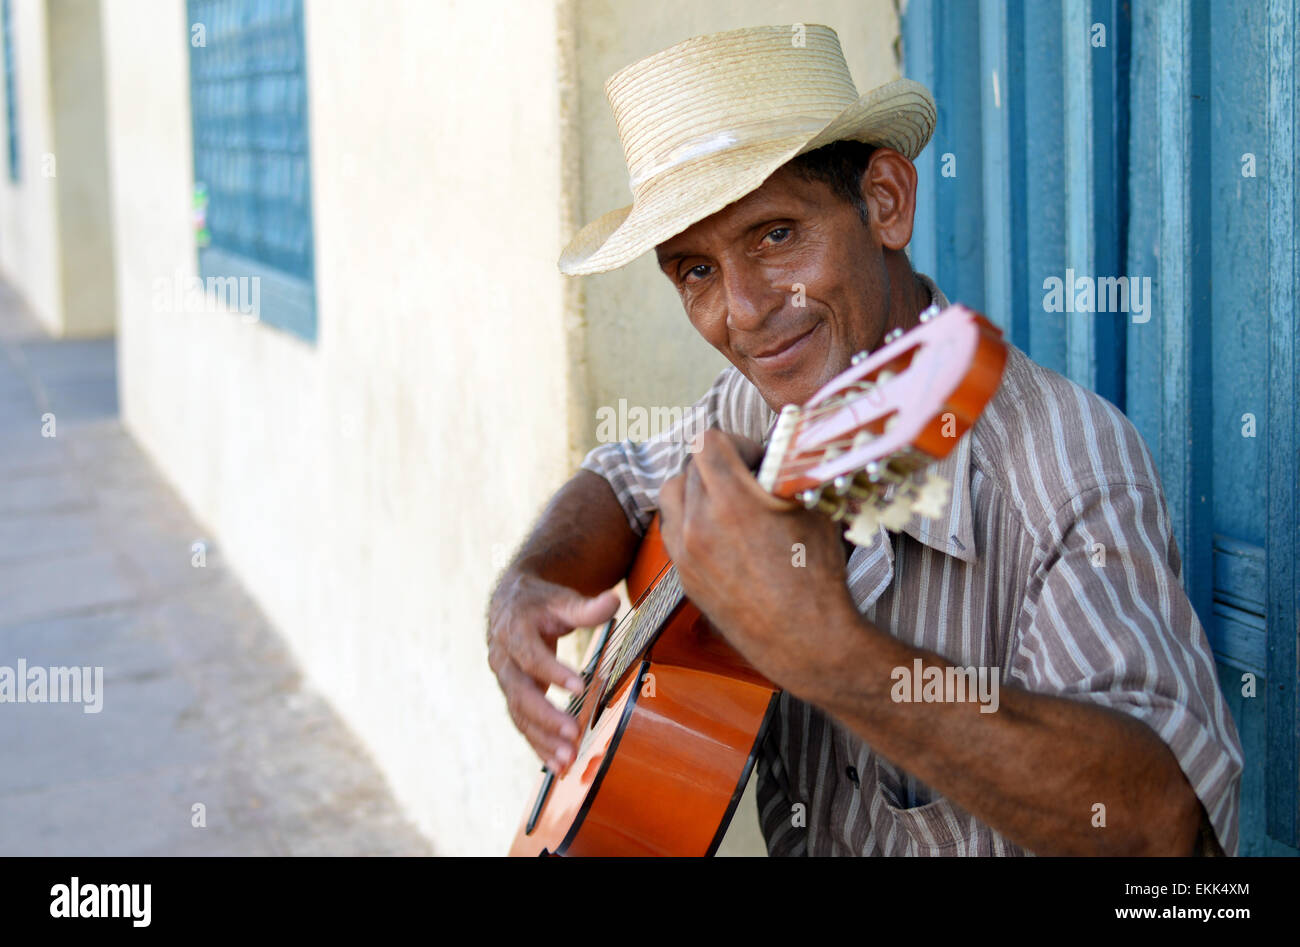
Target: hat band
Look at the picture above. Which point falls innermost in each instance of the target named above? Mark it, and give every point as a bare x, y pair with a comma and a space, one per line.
729, 138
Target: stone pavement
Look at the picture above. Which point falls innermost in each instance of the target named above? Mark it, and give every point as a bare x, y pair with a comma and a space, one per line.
201, 702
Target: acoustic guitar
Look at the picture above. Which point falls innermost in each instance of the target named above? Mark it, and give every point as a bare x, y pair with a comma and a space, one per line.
671, 716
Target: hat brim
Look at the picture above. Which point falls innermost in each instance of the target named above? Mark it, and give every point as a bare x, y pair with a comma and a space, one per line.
899, 115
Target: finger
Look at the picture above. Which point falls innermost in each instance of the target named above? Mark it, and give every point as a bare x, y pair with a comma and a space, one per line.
556, 753
751, 452
719, 460
672, 500
578, 611
537, 661
672, 506
724, 471
529, 707
554, 749
696, 491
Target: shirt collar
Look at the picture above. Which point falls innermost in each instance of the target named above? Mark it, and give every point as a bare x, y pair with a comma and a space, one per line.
953, 532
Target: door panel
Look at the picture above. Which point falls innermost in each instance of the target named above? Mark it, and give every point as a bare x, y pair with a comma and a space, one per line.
1166, 150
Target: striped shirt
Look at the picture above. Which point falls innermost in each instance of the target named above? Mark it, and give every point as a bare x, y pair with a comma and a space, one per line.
1054, 562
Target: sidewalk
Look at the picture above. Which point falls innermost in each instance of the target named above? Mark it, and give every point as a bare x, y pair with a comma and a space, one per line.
203, 709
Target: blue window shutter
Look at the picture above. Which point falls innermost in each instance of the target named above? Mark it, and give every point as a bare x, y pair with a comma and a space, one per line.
252, 163
1127, 159
10, 90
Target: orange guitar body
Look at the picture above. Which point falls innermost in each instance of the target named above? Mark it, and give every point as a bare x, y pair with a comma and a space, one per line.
686, 721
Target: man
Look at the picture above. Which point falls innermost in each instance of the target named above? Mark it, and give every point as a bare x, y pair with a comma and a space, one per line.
779, 204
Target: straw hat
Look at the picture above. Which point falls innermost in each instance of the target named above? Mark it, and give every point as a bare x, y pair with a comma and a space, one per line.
705, 122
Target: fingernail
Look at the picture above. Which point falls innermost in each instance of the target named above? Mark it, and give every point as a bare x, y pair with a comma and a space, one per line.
569, 731
574, 685
563, 755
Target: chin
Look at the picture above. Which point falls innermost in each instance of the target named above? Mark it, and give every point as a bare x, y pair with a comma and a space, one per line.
793, 390
813, 380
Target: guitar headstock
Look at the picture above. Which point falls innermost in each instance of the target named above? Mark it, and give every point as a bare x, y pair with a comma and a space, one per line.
859, 448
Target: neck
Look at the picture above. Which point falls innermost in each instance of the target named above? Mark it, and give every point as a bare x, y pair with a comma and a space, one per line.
908, 295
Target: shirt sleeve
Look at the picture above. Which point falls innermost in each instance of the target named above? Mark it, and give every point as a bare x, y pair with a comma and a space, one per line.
1106, 620
637, 468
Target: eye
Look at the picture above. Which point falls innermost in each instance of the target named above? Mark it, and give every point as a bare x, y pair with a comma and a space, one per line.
778, 234
696, 273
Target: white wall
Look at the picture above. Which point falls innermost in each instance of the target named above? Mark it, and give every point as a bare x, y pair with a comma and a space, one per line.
76, 80
358, 485
29, 244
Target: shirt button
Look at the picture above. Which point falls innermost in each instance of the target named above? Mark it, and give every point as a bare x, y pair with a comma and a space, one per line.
852, 773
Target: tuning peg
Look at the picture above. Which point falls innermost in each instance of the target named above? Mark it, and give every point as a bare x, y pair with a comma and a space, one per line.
929, 312
893, 335
859, 358
836, 507
862, 488
884, 473
842, 483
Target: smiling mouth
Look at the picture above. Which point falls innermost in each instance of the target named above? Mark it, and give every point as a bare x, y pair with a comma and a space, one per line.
784, 353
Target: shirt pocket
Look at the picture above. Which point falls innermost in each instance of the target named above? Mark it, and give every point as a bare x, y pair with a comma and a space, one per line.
936, 828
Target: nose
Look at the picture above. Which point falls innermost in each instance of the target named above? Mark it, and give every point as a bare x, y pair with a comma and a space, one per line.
750, 296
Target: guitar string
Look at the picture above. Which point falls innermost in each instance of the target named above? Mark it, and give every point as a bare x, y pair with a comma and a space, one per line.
655, 607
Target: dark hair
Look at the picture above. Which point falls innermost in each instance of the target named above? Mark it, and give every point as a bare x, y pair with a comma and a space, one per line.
840, 166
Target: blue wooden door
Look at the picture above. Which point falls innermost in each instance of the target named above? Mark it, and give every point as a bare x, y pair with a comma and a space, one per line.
1152, 140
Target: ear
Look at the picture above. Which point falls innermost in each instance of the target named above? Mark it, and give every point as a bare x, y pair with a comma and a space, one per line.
889, 188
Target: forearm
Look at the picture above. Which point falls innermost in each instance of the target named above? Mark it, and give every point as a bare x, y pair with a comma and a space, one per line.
1034, 770
582, 539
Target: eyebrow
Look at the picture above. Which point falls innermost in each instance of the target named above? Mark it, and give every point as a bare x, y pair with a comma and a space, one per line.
665, 259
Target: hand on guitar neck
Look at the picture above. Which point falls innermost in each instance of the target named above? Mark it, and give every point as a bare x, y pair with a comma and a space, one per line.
757, 565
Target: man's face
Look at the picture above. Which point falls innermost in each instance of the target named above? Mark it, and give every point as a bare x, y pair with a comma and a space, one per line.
739, 271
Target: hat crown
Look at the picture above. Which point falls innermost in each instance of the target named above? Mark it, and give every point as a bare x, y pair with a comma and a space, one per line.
715, 93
